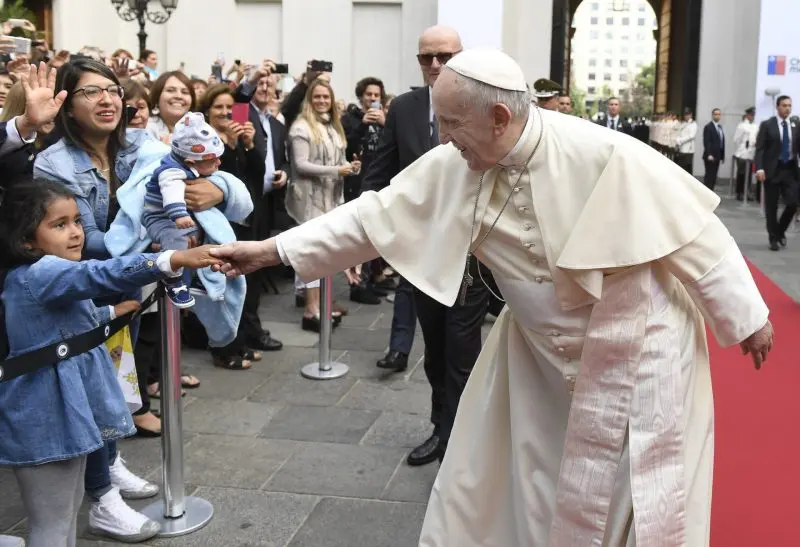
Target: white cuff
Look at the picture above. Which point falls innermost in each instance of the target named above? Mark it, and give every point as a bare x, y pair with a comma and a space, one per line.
15, 132
14, 140
729, 299
112, 314
281, 252
163, 263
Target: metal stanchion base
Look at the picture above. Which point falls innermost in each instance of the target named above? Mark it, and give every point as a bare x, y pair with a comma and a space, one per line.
313, 371
198, 514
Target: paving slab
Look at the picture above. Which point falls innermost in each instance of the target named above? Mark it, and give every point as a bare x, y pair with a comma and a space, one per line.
321, 424
351, 523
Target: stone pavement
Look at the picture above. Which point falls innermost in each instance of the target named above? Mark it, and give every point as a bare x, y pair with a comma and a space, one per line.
293, 462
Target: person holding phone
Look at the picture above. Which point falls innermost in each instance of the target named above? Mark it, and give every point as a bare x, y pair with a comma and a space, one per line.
319, 163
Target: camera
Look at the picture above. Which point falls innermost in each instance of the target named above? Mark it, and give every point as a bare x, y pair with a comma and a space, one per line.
281, 68
320, 66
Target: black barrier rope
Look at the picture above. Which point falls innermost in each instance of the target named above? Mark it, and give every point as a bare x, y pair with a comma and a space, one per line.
53, 354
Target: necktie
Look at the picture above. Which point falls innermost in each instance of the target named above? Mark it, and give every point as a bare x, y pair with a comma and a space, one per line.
613, 125
785, 143
434, 132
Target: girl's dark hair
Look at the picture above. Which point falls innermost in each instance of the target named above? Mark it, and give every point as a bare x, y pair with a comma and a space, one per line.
67, 79
145, 54
22, 208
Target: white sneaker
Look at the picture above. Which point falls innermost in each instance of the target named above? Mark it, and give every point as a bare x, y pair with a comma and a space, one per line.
11, 541
130, 486
112, 517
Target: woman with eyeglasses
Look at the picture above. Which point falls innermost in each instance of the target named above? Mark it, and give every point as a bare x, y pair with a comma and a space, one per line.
93, 158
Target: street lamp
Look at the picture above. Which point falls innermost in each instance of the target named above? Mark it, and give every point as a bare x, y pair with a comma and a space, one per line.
129, 10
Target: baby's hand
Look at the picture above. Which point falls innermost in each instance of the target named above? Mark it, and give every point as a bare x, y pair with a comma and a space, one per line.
185, 222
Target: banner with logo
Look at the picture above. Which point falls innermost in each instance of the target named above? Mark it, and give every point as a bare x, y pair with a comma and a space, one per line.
778, 56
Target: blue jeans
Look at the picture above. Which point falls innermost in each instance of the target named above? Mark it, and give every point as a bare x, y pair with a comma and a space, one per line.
404, 318
97, 478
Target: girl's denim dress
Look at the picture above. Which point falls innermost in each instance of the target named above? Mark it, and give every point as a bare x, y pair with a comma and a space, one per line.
68, 409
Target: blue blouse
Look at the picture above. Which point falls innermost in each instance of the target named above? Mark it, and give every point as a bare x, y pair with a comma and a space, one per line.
68, 409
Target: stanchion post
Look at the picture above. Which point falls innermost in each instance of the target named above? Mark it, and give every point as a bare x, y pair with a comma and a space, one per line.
177, 514
732, 185
325, 369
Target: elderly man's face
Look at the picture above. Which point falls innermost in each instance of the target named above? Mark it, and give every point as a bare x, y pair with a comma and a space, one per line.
476, 134
436, 46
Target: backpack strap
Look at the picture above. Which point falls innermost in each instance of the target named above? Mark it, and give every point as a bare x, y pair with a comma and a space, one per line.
72, 346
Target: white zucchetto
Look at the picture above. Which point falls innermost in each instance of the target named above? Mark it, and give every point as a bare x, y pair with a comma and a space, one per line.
490, 66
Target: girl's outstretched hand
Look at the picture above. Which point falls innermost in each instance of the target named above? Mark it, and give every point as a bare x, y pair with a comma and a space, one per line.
198, 257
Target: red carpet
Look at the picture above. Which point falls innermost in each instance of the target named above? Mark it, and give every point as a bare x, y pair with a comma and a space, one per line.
757, 455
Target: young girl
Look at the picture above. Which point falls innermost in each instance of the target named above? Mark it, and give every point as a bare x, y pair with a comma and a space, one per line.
50, 419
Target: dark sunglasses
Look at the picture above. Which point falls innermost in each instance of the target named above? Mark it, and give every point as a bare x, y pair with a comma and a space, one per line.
426, 59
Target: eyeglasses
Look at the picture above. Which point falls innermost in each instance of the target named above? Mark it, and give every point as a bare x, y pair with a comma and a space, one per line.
93, 92
426, 59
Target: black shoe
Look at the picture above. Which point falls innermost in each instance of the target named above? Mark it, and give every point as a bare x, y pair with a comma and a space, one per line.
395, 361
377, 291
264, 343
299, 301
388, 284
773, 246
313, 324
425, 453
363, 295
782, 241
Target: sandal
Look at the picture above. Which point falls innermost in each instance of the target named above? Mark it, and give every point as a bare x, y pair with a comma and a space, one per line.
251, 355
189, 382
154, 391
231, 362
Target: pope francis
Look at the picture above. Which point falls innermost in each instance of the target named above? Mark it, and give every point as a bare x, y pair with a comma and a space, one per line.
588, 419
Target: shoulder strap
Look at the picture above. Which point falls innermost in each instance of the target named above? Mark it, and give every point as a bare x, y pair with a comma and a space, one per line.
75, 345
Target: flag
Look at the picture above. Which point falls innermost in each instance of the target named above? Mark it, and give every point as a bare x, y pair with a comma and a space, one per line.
776, 65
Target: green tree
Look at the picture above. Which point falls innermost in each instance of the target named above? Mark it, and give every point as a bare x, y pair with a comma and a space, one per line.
637, 101
578, 97
16, 9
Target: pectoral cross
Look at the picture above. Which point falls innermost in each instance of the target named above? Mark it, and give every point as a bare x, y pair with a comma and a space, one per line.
466, 283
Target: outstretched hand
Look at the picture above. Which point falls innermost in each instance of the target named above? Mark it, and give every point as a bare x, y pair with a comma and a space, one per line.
244, 257
42, 104
759, 344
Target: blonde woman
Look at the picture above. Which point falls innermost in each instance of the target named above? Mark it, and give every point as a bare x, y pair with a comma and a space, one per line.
319, 164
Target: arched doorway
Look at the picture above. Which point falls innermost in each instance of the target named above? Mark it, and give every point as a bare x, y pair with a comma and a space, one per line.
677, 37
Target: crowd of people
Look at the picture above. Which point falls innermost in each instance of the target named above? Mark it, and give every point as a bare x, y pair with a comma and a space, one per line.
117, 176
213, 158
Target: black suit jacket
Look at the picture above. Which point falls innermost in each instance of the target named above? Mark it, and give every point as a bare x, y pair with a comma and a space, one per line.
406, 136
712, 144
17, 164
768, 145
622, 126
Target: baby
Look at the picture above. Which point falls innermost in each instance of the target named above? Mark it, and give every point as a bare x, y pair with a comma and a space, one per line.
196, 149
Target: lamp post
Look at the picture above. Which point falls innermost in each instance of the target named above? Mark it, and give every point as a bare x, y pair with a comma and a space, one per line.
129, 10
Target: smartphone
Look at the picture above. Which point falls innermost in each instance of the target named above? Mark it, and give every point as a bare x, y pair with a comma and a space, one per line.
23, 45
320, 66
376, 105
216, 71
240, 113
281, 68
130, 113
132, 64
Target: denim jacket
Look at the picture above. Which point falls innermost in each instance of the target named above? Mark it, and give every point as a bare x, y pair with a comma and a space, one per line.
73, 167
68, 409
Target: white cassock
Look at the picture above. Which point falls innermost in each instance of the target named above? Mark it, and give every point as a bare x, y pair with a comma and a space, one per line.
588, 418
